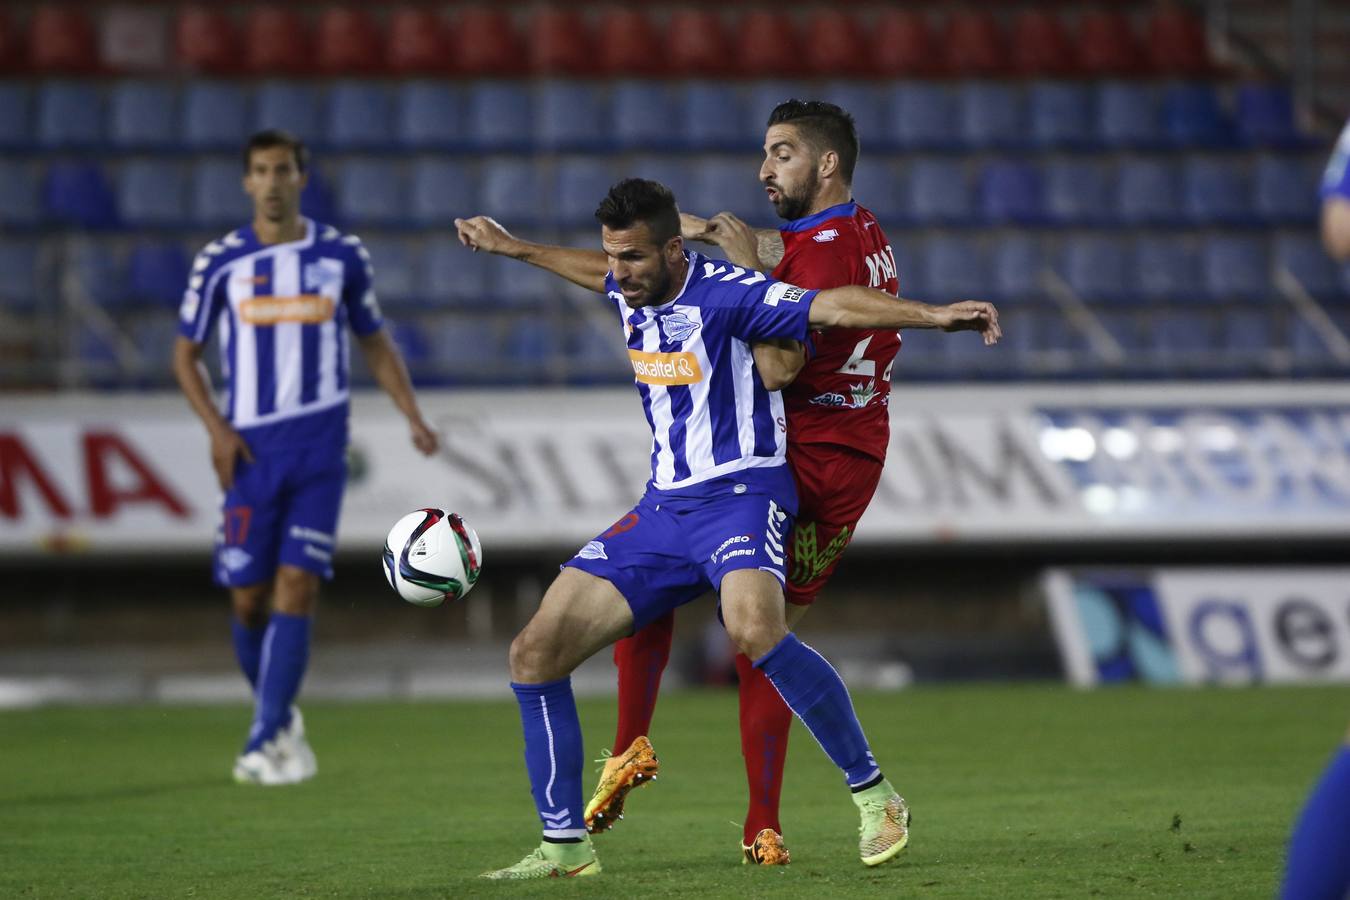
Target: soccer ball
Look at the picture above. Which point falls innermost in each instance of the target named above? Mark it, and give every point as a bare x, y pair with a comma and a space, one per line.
432, 556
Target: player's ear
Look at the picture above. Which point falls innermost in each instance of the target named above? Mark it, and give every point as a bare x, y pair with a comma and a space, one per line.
674, 248
829, 163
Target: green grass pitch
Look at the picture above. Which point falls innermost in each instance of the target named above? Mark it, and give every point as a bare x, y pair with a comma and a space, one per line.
1017, 792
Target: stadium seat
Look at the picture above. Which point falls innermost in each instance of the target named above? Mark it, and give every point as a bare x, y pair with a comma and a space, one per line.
359, 115
1308, 347
1011, 192
909, 260
1193, 117
316, 200
467, 349
629, 45
865, 102
767, 44
290, 105
923, 351
1166, 269
712, 117
1060, 114
275, 42
903, 45
698, 44
484, 42
876, 185
1127, 116
973, 44
152, 194
992, 115
1215, 191
347, 42
70, 115
208, 41
1249, 336
157, 273
1097, 268
1015, 269
371, 192
570, 115
1039, 46
1303, 256
418, 42
559, 42
451, 274
595, 355
99, 273
16, 116
512, 192
415, 345
1127, 328
500, 116
676, 173
642, 113
1183, 340
520, 287
760, 99
1265, 116
1174, 43
1077, 192
1235, 268
442, 189
61, 39
142, 115
937, 192
429, 115
218, 198
395, 261
727, 183
19, 287
532, 349
953, 269
1285, 189
215, 115
837, 48
580, 183
77, 193
20, 195
922, 117
1147, 192
12, 55
1106, 44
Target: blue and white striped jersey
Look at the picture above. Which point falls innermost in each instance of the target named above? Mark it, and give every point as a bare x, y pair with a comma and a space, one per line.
1336, 178
283, 311
709, 412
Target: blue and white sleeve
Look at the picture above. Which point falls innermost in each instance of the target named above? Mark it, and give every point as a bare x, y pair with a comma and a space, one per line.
358, 290
764, 309
1336, 178
203, 299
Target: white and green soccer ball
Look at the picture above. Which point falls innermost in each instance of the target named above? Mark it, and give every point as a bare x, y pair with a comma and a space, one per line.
432, 556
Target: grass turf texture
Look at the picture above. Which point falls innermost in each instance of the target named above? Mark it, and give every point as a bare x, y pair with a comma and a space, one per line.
1016, 791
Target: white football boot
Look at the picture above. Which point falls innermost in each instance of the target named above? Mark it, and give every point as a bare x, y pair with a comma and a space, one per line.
300, 763
267, 765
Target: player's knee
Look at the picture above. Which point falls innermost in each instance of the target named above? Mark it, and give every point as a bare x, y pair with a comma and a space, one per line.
755, 638
533, 658
297, 591
250, 605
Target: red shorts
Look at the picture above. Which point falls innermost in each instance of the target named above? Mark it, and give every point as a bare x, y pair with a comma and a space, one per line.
834, 486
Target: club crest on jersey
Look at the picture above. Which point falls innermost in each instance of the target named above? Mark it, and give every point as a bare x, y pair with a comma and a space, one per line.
593, 550
678, 327
824, 237
324, 276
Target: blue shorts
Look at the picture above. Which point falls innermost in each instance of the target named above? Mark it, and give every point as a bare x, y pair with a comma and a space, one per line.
669, 550
282, 508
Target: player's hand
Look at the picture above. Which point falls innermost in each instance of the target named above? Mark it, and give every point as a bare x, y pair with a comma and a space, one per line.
971, 315
484, 233
737, 239
694, 228
424, 437
227, 447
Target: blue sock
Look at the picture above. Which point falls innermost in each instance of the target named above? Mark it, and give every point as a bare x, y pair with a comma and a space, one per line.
814, 691
1319, 852
285, 653
553, 756
248, 649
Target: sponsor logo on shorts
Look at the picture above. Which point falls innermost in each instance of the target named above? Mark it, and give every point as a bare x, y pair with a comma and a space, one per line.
593, 550
665, 368
859, 395
830, 399
782, 292
235, 558
824, 237
722, 551
310, 309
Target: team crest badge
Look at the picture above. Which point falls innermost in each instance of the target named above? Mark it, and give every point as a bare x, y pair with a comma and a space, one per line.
677, 327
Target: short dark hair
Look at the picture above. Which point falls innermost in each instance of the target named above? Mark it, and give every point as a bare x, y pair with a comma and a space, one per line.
824, 126
275, 137
635, 200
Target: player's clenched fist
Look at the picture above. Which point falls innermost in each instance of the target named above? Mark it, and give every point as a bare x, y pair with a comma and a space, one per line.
484, 233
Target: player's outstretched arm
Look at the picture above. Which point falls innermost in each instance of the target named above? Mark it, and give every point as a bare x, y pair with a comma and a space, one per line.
586, 268
860, 307
386, 365
760, 249
227, 445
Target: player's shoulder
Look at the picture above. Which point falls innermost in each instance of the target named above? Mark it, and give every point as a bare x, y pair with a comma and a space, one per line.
222, 251
331, 239
716, 281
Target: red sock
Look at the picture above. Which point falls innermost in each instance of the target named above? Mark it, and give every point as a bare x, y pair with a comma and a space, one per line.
641, 660
765, 721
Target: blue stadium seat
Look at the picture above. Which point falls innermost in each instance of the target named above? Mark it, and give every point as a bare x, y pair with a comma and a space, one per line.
1303, 256
909, 268
1265, 116
500, 116
415, 344
1060, 114
371, 192
953, 269
215, 114
218, 198
359, 116
1166, 269
937, 191
923, 351
97, 357
1011, 192
19, 289
289, 105
157, 273
675, 173
865, 102
152, 194
595, 355
316, 200
1193, 116
921, 116
1216, 192
1285, 190
1251, 334
1127, 115
643, 113
16, 116
512, 192
760, 99
728, 184
1077, 192
1016, 264
453, 275
581, 182
430, 115
992, 115
77, 193
533, 351
143, 114
395, 261
468, 349
1097, 268
571, 115
70, 115
1308, 349
521, 287
20, 195
442, 189
1127, 327
1184, 340
1235, 268
1148, 192
100, 273
713, 118
876, 186
154, 338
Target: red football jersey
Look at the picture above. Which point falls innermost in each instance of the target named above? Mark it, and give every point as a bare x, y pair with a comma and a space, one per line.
842, 396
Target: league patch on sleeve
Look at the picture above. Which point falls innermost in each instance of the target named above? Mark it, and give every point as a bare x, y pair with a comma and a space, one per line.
782, 292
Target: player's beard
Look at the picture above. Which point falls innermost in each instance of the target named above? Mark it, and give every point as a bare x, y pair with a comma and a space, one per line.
791, 206
660, 287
